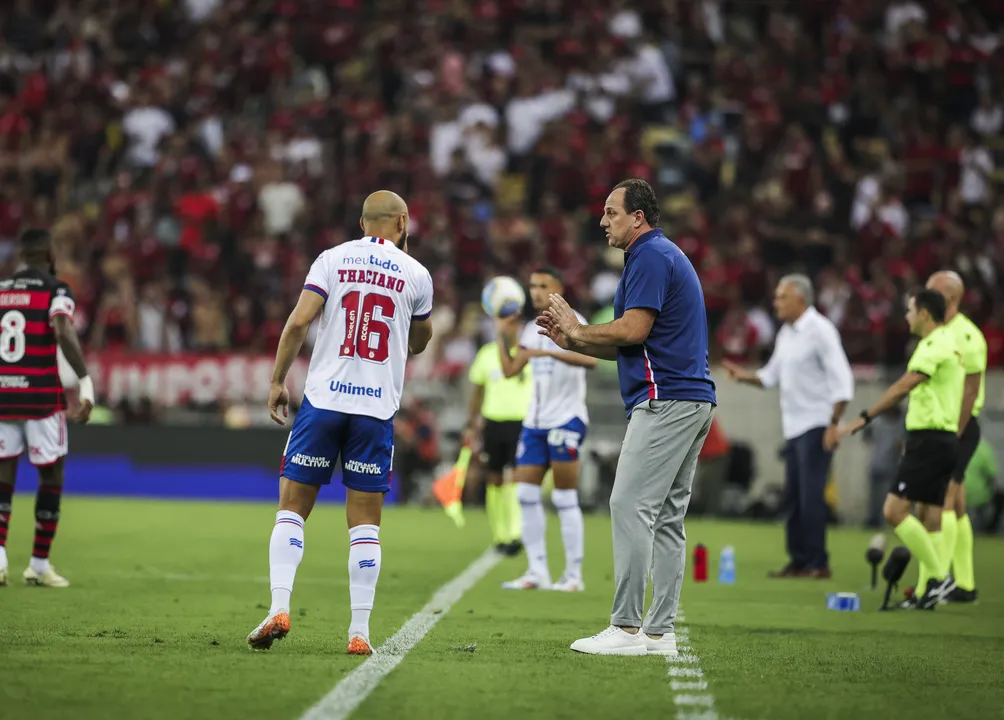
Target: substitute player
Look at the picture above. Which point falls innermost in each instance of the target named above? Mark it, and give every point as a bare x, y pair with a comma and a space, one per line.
552, 433
36, 317
496, 411
956, 528
374, 301
934, 378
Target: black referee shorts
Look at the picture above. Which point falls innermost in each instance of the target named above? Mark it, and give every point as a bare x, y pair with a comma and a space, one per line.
499, 442
927, 464
967, 448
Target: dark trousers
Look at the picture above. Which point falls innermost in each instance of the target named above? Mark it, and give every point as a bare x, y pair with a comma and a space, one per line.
807, 467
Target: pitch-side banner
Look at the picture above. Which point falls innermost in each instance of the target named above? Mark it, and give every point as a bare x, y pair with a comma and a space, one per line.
184, 379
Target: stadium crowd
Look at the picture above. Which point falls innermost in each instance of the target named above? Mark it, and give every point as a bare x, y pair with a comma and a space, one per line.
192, 158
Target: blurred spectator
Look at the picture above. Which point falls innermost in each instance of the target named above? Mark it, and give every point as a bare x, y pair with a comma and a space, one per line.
196, 156
281, 201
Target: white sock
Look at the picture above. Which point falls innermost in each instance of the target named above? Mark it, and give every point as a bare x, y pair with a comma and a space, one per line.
285, 551
3, 556
39, 565
534, 527
566, 502
364, 570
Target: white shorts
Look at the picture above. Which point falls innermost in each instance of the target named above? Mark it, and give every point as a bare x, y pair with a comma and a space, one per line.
46, 439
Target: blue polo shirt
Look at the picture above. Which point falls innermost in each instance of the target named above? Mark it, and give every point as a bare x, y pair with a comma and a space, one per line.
672, 363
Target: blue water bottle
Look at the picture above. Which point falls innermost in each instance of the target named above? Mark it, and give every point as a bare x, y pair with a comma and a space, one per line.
727, 566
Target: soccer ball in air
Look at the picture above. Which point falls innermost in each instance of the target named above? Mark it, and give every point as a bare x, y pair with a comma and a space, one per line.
502, 297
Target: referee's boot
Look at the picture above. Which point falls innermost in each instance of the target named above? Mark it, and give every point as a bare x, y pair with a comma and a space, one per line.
936, 590
958, 595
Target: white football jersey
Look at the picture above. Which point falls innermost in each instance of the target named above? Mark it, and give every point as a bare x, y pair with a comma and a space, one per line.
559, 389
372, 292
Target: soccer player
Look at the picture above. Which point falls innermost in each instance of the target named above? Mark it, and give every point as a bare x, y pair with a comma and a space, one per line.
497, 407
374, 301
36, 317
934, 380
956, 527
552, 433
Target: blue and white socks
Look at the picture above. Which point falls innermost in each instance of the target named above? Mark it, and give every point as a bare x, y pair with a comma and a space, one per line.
285, 551
364, 571
534, 528
566, 502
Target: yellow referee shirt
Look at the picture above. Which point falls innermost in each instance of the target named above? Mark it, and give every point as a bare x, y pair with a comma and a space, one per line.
936, 403
506, 399
973, 347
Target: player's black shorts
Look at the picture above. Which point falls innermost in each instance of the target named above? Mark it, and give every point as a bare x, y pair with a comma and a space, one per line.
967, 448
499, 442
926, 466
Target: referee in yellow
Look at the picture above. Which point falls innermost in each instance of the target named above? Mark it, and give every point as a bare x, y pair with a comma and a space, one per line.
934, 379
496, 411
956, 528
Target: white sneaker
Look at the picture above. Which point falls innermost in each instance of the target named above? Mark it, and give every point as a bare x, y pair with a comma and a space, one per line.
3, 576
569, 584
50, 578
666, 645
528, 581
612, 641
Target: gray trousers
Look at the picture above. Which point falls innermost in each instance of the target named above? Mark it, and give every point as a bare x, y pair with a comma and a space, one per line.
649, 501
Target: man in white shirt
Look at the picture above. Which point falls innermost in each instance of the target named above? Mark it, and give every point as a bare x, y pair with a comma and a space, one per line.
811, 369
976, 165
553, 431
374, 302
146, 125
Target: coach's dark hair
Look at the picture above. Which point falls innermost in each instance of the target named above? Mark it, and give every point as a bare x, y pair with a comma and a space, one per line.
548, 270
639, 195
932, 301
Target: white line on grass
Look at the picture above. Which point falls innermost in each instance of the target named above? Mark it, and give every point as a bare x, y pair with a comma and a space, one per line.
355, 687
698, 703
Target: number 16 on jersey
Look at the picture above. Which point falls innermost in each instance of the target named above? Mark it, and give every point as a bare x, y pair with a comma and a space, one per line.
366, 335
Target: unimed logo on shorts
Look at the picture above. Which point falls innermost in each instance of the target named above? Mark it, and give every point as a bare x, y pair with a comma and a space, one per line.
363, 468
310, 461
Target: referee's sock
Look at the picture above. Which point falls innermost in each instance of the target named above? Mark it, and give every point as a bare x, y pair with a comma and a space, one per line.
512, 527
493, 508
916, 538
965, 576
943, 565
949, 533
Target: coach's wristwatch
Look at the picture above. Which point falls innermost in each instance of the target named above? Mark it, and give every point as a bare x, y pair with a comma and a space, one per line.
865, 416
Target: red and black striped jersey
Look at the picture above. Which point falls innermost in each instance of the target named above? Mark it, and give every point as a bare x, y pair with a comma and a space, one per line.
29, 374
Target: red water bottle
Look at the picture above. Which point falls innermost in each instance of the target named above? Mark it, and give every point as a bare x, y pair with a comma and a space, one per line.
700, 564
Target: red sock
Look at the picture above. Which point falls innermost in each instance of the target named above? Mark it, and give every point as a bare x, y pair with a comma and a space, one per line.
6, 498
46, 519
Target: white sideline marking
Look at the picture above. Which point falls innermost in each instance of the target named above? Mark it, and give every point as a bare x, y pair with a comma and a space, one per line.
679, 685
696, 688
686, 672
355, 687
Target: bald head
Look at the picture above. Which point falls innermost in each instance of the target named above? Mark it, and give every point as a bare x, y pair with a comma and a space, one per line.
383, 204
950, 285
385, 214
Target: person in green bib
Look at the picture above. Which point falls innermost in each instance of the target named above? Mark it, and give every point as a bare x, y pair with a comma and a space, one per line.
496, 411
934, 380
956, 526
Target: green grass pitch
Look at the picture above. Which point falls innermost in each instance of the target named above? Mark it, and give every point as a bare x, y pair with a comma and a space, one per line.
163, 594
